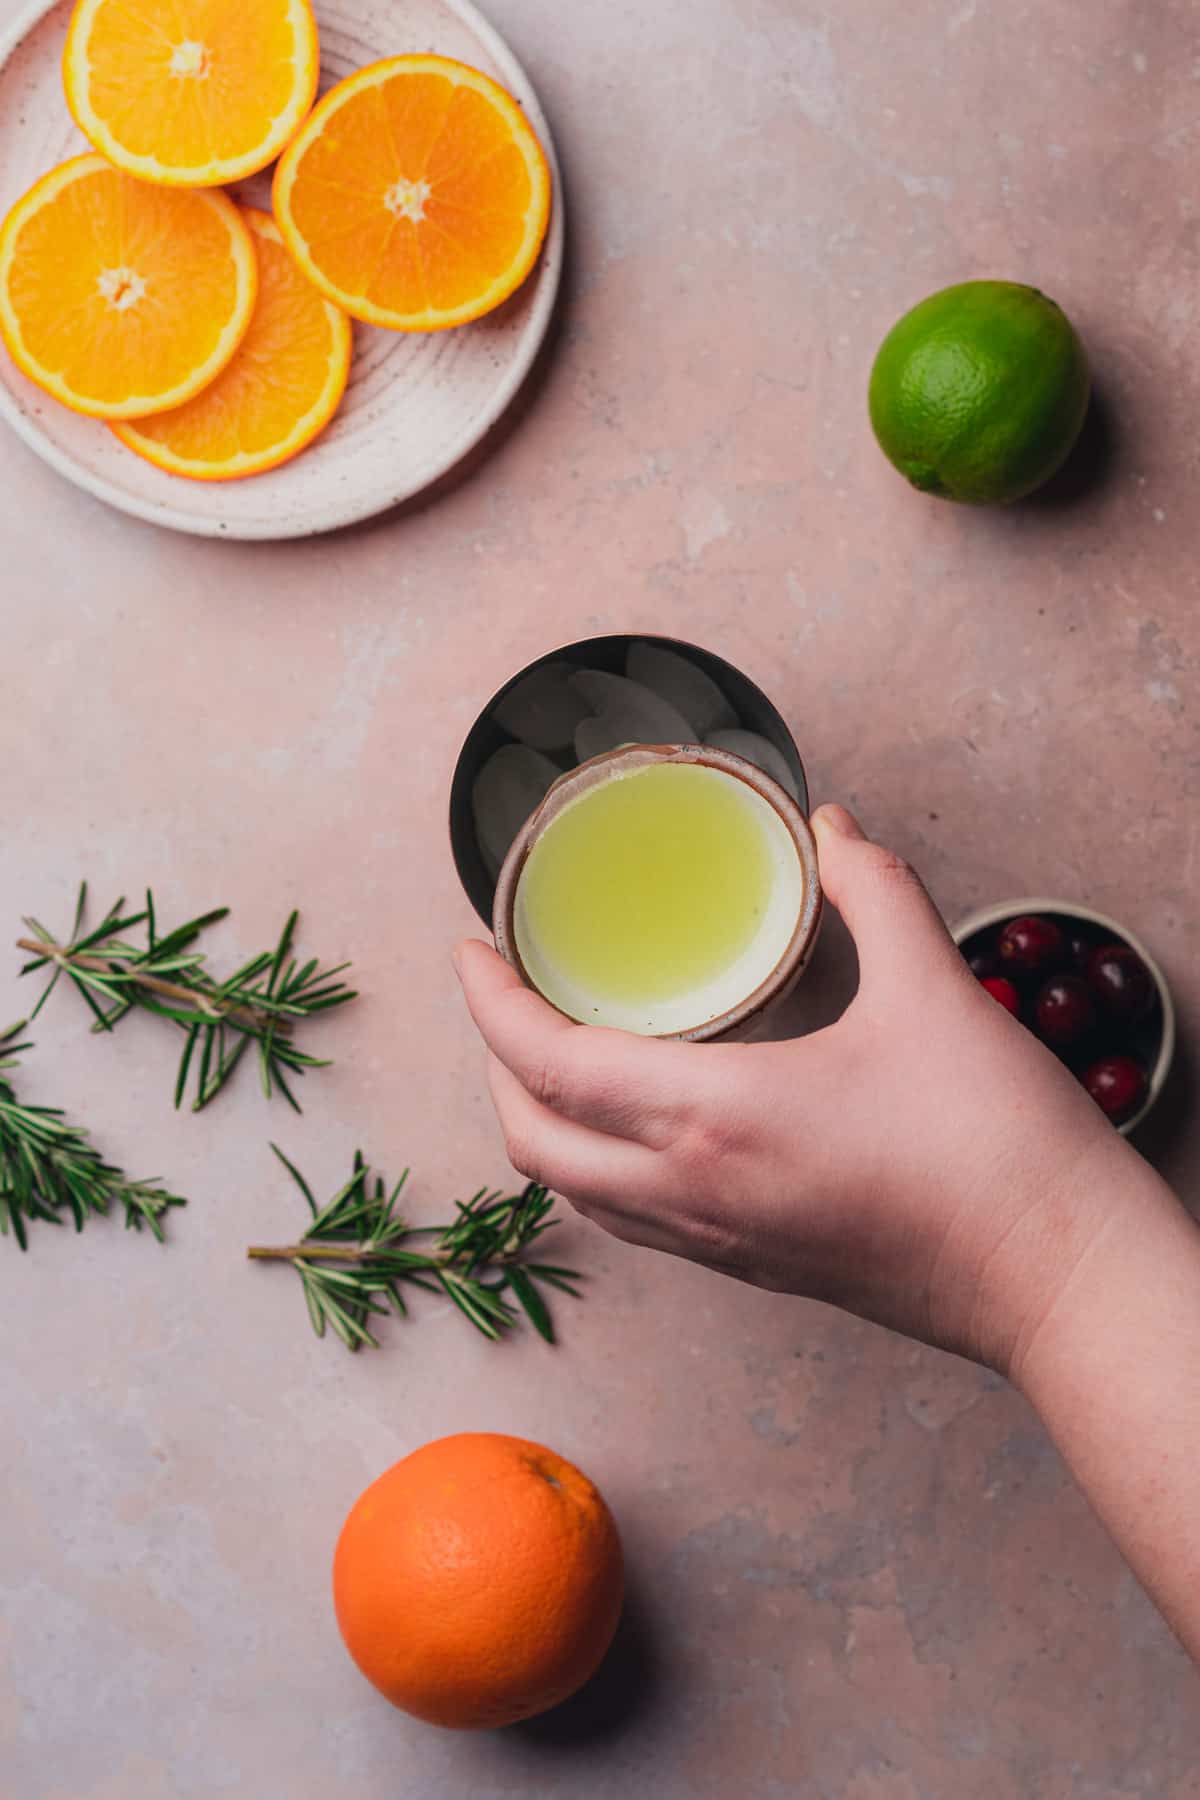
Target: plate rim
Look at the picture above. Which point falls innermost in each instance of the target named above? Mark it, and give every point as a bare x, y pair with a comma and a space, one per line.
337, 514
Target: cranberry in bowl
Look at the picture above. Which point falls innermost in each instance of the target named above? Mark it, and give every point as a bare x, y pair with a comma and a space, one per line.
1087, 988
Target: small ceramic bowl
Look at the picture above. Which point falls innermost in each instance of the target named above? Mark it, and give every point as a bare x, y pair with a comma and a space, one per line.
742, 1019
754, 712
1152, 1042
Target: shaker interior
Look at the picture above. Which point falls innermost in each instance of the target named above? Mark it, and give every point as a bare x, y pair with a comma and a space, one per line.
753, 710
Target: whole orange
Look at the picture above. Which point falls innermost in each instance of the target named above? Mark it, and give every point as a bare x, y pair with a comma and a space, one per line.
478, 1581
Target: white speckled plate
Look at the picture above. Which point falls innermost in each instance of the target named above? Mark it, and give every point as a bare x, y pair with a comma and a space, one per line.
415, 404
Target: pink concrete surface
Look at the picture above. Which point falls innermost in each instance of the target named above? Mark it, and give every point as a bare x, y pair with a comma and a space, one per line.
859, 1571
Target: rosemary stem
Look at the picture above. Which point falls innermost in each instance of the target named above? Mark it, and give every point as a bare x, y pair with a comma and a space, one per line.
348, 1253
169, 990
315, 1251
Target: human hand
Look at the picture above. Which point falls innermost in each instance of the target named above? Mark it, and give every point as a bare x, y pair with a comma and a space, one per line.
923, 1162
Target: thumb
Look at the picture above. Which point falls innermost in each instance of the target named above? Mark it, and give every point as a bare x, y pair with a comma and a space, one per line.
897, 930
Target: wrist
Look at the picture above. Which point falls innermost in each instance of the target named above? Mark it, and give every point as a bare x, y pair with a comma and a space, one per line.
1108, 1222
1109, 1363
1060, 1222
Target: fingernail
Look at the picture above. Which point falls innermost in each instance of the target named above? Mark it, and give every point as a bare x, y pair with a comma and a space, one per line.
836, 819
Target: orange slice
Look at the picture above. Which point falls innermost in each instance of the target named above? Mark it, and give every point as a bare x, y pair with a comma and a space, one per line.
122, 299
191, 93
282, 387
415, 195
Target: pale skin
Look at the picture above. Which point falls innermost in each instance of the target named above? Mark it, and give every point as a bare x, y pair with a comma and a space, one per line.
924, 1163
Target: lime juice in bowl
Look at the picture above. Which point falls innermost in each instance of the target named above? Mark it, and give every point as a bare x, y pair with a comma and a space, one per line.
670, 890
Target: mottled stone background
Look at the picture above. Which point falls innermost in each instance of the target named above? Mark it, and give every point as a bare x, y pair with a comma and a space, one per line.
859, 1572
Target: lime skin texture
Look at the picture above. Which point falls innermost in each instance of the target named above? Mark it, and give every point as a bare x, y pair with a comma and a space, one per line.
979, 393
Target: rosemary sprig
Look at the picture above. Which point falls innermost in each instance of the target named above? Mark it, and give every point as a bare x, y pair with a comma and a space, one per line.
351, 1260
259, 1003
49, 1169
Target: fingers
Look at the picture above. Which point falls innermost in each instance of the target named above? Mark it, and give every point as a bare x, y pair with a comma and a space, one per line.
611, 1081
606, 1178
895, 925
620, 1125
515, 1022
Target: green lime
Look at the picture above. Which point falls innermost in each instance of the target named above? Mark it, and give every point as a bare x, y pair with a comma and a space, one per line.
979, 392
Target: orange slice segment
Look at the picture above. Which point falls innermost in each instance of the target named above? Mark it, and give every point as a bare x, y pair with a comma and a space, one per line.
282, 387
191, 93
122, 299
415, 195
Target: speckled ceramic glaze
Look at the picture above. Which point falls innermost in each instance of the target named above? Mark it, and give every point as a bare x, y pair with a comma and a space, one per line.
742, 1020
415, 404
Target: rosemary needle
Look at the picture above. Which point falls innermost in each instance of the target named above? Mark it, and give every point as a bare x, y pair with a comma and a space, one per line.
49, 1170
352, 1261
166, 975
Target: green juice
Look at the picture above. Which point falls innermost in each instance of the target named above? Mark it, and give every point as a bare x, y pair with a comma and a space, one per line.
658, 899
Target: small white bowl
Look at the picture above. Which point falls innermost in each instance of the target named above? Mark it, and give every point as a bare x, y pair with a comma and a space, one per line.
987, 917
738, 1021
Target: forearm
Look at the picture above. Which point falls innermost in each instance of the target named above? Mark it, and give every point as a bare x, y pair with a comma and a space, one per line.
1113, 1368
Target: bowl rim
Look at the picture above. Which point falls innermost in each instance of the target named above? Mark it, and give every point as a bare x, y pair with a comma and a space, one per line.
790, 965
459, 805
984, 917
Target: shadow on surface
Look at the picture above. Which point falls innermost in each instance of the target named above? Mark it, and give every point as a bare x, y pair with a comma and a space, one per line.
1173, 1114
824, 993
621, 1691
1090, 466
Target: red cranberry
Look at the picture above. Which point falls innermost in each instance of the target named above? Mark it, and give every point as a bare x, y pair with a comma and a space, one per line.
1004, 992
982, 964
1117, 1085
1031, 944
1065, 1010
1121, 982
1079, 951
